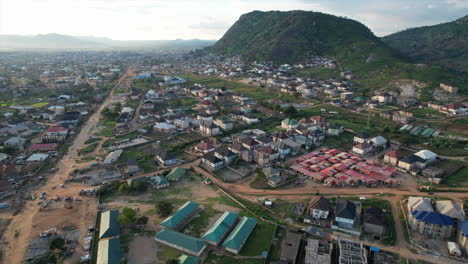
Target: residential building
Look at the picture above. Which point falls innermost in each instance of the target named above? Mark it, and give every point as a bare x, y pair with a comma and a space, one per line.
159, 182
212, 162
361, 138
378, 141
289, 124
319, 209
363, 149
450, 208
419, 204
392, 157
166, 159
462, 235
345, 214
224, 123
432, 224
176, 174
374, 222
132, 166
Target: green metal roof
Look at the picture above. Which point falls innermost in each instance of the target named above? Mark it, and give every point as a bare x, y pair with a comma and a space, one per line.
158, 180
109, 251
174, 220
181, 240
109, 226
184, 259
176, 174
221, 227
291, 122
241, 232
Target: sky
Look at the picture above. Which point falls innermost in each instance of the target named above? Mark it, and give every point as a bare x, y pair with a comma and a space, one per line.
204, 19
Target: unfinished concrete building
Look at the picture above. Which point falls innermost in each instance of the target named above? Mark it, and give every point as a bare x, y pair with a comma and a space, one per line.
351, 252
318, 252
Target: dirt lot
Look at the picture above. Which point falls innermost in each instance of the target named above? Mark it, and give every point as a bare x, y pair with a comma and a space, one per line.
143, 250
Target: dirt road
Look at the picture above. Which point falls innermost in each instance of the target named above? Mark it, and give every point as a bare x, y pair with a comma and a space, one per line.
31, 221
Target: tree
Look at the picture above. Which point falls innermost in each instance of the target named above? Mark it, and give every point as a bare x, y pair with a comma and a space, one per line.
124, 188
128, 216
9, 149
164, 208
290, 111
140, 186
57, 243
142, 220
172, 261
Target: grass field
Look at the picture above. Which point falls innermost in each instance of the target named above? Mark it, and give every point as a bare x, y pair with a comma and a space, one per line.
88, 149
39, 105
254, 92
107, 128
263, 232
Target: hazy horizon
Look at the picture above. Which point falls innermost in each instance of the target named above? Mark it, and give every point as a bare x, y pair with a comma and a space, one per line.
203, 19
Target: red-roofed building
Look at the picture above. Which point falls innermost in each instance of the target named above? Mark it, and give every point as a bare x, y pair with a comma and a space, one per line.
393, 156
43, 147
57, 131
362, 149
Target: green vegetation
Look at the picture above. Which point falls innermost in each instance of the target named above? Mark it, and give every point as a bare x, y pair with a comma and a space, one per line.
254, 92
402, 219
39, 105
289, 37
426, 113
214, 259
441, 44
92, 140
86, 159
164, 208
201, 223
107, 128
262, 232
88, 149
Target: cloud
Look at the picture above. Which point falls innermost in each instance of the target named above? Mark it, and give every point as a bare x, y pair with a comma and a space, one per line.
205, 19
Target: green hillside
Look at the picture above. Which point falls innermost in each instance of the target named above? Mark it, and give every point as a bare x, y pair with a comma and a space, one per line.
293, 36
443, 44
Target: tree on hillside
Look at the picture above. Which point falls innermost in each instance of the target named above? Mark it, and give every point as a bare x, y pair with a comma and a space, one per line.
164, 208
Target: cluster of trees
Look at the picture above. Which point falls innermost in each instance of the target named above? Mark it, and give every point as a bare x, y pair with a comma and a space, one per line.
290, 111
109, 114
164, 208
139, 186
130, 216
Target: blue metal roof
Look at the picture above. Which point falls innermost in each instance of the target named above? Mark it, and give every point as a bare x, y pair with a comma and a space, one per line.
433, 218
463, 227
